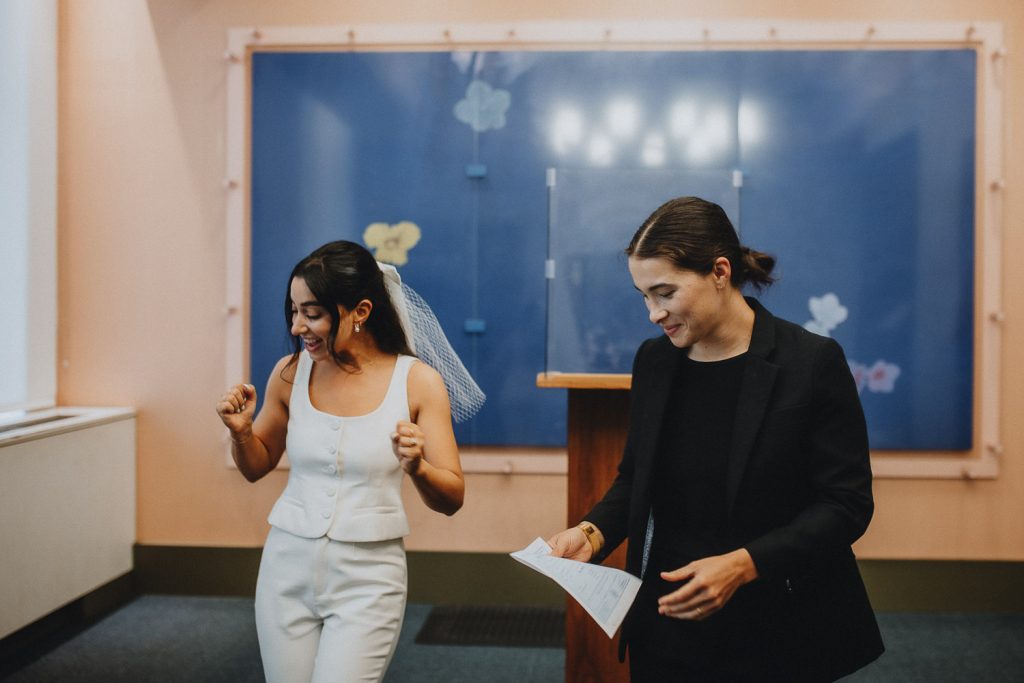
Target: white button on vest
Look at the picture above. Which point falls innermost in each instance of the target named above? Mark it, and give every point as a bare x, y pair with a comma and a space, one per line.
356, 499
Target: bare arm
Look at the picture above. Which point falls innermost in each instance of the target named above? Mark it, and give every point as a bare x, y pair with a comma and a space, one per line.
257, 445
426, 446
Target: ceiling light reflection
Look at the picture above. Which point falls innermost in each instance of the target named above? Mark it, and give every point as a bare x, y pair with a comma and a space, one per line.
711, 138
653, 152
683, 118
567, 130
751, 122
623, 118
601, 151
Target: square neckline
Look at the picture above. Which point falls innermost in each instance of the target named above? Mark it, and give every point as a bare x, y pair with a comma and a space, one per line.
377, 409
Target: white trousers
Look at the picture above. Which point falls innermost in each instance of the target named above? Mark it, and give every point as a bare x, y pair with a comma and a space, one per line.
328, 610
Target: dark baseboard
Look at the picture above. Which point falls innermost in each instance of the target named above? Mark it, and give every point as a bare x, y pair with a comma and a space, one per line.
944, 585
478, 579
36, 639
434, 577
495, 578
194, 570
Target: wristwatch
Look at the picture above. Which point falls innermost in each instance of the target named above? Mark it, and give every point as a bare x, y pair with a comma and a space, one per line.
592, 534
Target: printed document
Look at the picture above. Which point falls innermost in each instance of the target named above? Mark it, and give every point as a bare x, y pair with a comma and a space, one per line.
605, 593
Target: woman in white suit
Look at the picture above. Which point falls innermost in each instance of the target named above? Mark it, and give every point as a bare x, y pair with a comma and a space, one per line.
355, 410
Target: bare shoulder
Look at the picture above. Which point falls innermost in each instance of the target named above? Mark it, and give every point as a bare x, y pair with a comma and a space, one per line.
427, 390
286, 367
282, 377
425, 380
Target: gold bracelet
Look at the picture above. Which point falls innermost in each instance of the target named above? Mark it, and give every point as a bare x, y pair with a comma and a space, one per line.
594, 537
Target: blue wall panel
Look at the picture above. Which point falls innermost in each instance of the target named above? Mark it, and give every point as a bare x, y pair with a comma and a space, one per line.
858, 173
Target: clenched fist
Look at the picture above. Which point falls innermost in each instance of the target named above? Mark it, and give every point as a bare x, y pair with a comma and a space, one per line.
236, 408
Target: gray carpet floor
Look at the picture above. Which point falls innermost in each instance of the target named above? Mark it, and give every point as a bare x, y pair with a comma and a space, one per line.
170, 638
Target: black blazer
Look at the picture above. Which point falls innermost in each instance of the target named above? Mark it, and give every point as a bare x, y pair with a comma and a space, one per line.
798, 493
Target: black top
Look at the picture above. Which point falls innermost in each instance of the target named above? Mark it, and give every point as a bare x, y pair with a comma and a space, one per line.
690, 520
688, 497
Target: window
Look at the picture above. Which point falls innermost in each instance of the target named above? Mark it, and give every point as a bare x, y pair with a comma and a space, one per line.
28, 206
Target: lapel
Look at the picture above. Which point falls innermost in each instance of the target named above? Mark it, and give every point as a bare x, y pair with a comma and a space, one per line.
662, 361
755, 391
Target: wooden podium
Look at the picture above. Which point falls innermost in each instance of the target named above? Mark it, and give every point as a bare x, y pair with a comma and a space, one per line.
598, 419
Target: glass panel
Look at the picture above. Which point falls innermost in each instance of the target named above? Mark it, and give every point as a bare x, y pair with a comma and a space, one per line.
596, 318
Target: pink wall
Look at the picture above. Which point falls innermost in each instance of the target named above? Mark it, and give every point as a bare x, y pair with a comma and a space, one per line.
142, 265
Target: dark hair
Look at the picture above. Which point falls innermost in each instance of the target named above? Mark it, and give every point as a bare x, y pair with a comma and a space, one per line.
691, 233
344, 273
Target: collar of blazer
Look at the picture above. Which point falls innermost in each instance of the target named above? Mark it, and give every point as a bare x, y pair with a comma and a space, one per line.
755, 392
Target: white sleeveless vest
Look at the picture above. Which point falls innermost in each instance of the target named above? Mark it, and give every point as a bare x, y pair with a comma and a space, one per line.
345, 481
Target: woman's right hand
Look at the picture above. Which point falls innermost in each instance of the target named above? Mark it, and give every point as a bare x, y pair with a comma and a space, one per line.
571, 544
236, 408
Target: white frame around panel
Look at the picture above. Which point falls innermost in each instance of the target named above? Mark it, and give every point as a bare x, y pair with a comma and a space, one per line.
984, 37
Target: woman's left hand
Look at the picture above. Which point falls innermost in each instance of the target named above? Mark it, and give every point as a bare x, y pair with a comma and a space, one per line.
408, 442
710, 584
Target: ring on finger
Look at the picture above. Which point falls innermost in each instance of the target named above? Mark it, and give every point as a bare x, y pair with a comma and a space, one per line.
700, 612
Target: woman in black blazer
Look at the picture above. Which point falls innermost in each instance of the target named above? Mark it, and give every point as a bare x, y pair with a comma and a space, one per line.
745, 477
